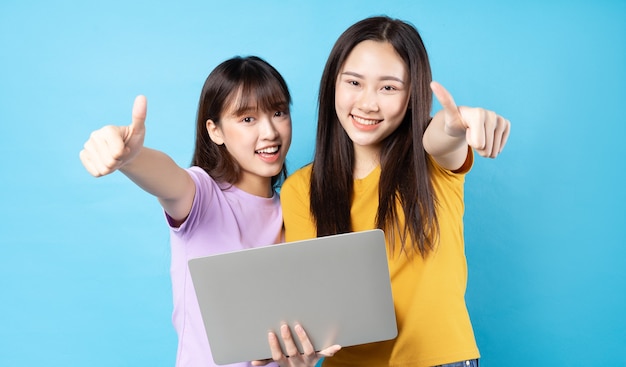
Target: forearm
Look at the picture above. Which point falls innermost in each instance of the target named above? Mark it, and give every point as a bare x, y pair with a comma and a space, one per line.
448, 150
156, 173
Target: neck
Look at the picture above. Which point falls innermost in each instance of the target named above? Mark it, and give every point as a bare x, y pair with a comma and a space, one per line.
366, 158
255, 185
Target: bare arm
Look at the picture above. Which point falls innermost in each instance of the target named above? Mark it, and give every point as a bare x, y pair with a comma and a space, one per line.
454, 128
158, 174
113, 148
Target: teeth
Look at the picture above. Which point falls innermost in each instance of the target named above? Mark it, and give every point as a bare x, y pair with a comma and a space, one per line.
268, 150
363, 121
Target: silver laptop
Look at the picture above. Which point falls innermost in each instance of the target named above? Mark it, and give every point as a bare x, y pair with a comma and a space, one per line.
337, 287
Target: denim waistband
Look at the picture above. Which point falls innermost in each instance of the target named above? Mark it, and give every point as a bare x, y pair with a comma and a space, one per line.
468, 363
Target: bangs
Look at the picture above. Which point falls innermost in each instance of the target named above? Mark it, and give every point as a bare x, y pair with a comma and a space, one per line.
259, 93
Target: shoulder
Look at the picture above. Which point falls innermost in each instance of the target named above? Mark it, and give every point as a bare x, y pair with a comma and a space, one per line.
198, 173
449, 185
201, 178
207, 189
438, 171
297, 183
300, 177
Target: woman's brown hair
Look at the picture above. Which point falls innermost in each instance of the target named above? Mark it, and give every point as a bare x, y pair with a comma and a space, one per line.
256, 84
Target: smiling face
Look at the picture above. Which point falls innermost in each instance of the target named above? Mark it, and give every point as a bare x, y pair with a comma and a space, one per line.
258, 140
371, 95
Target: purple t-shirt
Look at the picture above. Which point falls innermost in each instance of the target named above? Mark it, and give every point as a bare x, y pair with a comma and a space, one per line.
222, 219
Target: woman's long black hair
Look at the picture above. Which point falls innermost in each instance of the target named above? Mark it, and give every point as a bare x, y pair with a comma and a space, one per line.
404, 164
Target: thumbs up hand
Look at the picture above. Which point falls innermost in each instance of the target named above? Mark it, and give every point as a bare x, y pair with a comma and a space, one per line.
111, 147
485, 131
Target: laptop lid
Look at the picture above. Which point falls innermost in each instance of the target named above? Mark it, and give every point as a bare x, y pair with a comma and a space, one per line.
337, 287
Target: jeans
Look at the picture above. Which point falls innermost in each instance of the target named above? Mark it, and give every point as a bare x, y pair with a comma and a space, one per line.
470, 363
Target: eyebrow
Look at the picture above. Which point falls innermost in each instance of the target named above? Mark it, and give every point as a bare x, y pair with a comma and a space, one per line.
243, 111
384, 77
252, 109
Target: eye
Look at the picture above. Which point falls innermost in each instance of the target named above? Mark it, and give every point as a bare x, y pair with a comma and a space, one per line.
389, 88
354, 83
247, 119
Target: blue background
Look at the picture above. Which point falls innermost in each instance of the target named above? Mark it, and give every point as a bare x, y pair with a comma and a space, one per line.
84, 263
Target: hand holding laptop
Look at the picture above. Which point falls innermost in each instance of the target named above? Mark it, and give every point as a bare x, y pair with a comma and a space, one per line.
292, 357
330, 285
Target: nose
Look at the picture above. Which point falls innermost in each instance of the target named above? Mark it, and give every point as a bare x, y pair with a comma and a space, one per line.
267, 129
368, 101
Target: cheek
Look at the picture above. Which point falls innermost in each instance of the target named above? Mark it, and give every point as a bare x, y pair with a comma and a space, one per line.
286, 132
401, 112
342, 99
235, 136
397, 108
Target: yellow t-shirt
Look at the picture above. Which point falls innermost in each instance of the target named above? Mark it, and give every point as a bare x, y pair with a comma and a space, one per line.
429, 294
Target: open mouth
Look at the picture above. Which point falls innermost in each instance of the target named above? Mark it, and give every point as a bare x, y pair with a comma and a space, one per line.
366, 122
268, 150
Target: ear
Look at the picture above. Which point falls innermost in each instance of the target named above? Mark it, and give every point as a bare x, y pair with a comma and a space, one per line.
215, 133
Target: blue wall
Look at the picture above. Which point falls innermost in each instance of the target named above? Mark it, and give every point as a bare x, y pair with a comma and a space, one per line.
84, 267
